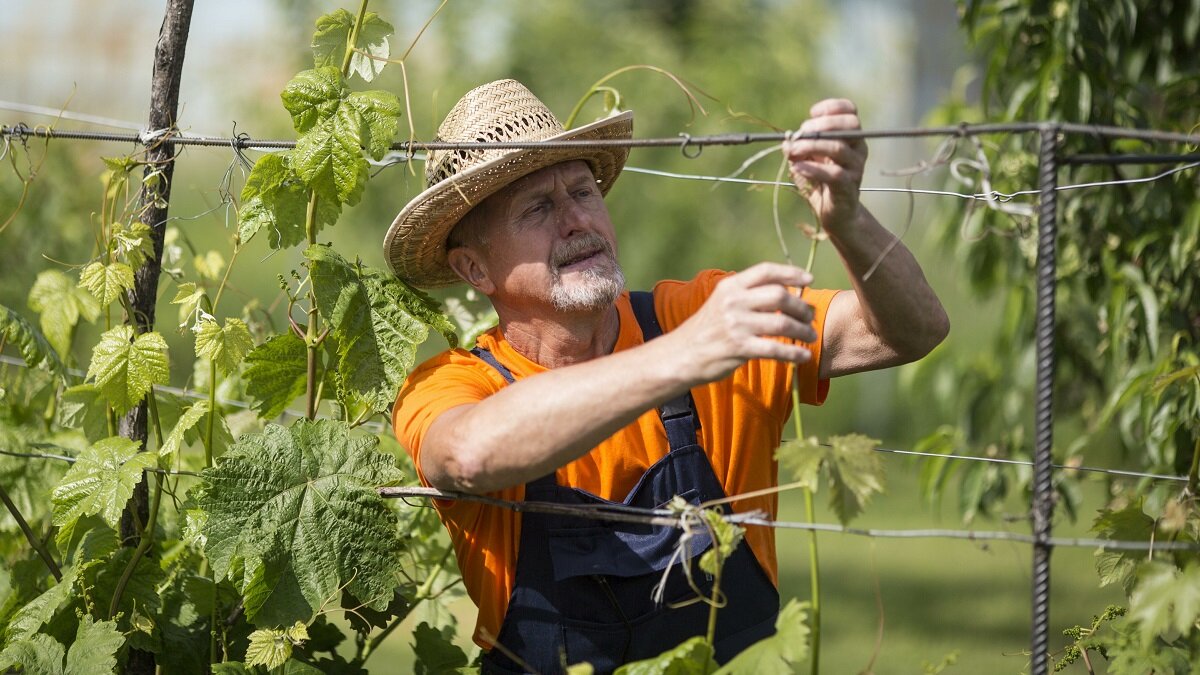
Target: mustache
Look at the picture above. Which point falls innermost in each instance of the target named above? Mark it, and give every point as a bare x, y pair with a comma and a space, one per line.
584, 244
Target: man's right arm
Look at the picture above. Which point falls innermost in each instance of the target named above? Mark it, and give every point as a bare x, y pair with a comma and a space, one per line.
539, 423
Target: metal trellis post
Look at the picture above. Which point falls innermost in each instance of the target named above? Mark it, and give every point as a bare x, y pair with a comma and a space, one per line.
1043, 489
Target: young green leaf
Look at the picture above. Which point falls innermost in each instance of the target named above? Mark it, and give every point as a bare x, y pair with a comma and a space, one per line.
101, 481
94, 651
435, 653
82, 408
276, 199
61, 303
186, 421
780, 654
380, 113
334, 126
133, 243
39, 654
1127, 524
126, 368
272, 647
106, 282
188, 297
726, 536
377, 320
855, 473
300, 503
226, 346
209, 265
30, 618
333, 37
29, 342
1165, 598
693, 657
801, 460
276, 374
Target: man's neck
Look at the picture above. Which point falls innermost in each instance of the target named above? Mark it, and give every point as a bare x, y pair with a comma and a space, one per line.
562, 339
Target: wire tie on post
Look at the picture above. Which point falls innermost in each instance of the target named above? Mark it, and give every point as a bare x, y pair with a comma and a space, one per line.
683, 147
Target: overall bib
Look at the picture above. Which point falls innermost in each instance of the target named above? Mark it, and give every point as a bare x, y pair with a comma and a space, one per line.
583, 587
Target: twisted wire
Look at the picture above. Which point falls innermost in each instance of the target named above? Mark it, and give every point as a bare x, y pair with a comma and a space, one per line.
1043, 490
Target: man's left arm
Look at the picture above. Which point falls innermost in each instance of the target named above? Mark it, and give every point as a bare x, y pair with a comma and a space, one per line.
894, 316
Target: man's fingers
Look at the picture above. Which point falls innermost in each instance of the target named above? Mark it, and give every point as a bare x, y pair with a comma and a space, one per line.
832, 106
777, 324
841, 152
770, 273
778, 298
766, 348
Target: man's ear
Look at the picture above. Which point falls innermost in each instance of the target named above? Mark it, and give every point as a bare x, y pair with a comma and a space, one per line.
468, 265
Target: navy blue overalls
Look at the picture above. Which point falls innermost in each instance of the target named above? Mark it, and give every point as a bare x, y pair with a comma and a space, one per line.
583, 587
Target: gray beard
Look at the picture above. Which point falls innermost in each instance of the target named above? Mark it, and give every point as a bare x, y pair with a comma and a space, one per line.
597, 288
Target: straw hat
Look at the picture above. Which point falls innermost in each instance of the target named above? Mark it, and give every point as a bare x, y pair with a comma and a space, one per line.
458, 180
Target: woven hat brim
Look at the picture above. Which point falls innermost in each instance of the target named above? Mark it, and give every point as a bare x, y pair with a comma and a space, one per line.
415, 244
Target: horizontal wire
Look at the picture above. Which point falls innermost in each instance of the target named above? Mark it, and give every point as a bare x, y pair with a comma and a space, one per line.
67, 115
380, 428
994, 194
668, 519
683, 142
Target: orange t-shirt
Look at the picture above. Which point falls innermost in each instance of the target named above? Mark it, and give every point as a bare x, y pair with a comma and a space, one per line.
741, 417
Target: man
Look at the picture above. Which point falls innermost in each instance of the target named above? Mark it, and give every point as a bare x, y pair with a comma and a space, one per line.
575, 398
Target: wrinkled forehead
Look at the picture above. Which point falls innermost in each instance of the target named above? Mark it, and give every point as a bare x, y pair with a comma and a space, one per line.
543, 180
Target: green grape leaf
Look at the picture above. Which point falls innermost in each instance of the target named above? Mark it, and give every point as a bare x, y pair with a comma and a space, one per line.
1127, 524
435, 653
29, 342
272, 647
94, 651
380, 113
29, 619
61, 303
26, 481
226, 346
334, 125
106, 282
188, 297
313, 95
133, 242
801, 460
1165, 597
40, 654
780, 654
84, 539
125, 368
276, 199
726, 537
377, 320
101, 481
693, 657
855, 473
82, 407
301, 503
333, 36
186, 421
276, 374
141, 592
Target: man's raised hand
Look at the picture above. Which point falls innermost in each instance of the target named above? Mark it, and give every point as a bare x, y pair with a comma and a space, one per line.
743, 318
829, 171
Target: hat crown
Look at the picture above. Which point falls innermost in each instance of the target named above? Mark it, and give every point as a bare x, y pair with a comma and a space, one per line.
500, 111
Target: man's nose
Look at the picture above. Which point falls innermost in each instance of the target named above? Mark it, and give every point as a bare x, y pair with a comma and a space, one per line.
572, 217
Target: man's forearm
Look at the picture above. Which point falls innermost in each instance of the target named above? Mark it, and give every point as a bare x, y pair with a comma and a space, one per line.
540, 423
894, 312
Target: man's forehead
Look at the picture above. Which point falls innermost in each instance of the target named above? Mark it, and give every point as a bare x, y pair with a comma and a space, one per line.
570, 171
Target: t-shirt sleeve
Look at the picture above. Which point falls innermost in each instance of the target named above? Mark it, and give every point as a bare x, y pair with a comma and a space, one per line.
446, 381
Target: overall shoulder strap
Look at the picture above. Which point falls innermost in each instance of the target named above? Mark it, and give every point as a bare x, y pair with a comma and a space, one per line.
678, 414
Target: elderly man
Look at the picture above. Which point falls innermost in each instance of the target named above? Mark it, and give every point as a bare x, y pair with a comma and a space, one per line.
587, 394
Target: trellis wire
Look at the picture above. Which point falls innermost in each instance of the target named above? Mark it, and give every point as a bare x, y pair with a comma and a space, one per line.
683, 141
1042, 505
